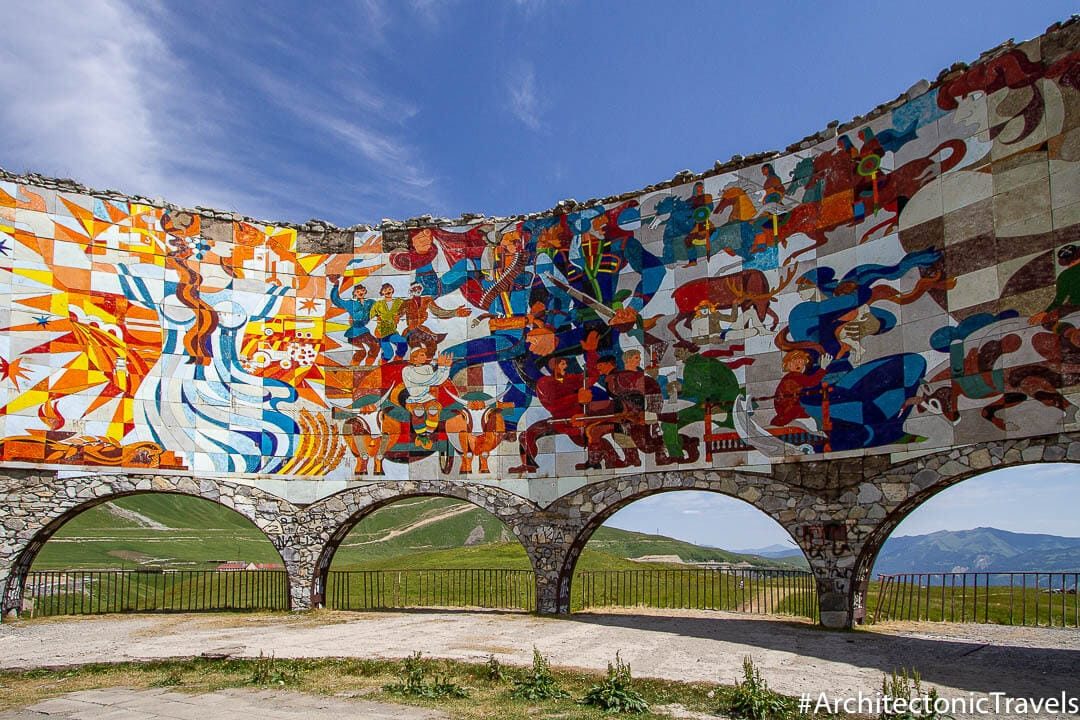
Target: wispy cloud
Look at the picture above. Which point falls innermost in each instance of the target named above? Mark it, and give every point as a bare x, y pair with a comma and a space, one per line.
431, 13
393, 159
98, 92
80, 85
524, 101
93, 92
530, 7
374, 18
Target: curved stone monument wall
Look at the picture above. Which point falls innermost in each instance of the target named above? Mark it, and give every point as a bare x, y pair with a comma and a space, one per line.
903, 284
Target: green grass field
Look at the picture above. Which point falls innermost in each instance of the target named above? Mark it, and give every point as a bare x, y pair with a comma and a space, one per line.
198, 535
443, 532
407, 541
92, 592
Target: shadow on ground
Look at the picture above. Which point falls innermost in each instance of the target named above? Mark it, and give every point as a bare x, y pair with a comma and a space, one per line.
981, 667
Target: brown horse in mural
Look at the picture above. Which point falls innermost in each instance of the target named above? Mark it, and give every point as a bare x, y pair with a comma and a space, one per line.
898, 186
739, 292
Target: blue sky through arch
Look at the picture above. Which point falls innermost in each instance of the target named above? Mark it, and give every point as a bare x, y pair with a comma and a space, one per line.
1028, 499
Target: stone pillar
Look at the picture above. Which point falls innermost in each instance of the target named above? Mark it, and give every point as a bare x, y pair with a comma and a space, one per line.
300, 555
548, 542
832, 556
11, 601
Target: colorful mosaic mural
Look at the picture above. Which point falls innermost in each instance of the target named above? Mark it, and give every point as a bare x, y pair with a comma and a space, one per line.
906, 284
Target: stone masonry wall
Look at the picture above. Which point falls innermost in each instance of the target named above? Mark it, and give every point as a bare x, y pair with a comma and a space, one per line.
839, 512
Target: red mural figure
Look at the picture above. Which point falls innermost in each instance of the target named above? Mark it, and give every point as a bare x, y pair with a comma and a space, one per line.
567, 397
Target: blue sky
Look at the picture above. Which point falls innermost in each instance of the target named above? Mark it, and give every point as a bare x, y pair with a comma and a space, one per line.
355, 111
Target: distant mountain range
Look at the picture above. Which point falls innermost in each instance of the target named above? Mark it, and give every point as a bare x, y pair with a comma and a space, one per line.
776, 550
978, 550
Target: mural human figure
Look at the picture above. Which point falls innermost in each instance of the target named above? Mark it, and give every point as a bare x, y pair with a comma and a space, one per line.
359, 310
797, 382
416, 310
387, 313
1067, 296
866, 403
566, 397
419, 377
200, 373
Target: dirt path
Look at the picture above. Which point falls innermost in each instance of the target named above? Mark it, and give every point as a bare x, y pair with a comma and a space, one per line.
136, 517
794, 657
460, 510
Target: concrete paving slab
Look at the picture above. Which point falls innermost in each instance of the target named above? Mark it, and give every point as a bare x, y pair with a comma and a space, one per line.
129, 704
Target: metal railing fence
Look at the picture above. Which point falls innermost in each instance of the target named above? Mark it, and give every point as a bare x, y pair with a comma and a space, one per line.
84, 592
1006, 598
477, 588
753, 591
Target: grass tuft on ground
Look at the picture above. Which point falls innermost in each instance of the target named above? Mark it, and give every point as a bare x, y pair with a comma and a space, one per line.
489, 699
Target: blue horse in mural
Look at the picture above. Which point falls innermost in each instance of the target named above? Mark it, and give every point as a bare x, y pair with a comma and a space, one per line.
859, 405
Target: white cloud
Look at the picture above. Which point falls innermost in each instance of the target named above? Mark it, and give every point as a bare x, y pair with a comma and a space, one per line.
97, 91
93, 92
374, 20
524, 99
81, 82
430, 12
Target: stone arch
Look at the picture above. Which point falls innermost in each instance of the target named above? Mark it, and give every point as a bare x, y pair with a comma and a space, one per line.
37, 509
932, 474
330, 520
589, 507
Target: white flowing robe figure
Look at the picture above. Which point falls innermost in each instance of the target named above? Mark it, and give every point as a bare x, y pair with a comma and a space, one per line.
221, 416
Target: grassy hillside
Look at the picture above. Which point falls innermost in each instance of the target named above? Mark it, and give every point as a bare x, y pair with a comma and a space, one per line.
628, 544
180, 531
163, 530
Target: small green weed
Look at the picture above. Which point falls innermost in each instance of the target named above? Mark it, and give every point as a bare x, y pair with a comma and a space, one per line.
362, 667
269, 671
169, 679
494, 671
752, 699
616, 693
412, 681
916, 703
538, 683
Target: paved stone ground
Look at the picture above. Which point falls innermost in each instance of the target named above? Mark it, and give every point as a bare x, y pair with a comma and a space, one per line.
706, 646
127, 704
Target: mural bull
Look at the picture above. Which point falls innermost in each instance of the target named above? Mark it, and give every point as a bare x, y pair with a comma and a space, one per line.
912, 282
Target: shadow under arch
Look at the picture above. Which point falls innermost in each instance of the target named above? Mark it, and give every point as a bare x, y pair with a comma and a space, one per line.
602, 514
360, 503
24, 561
875, 540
